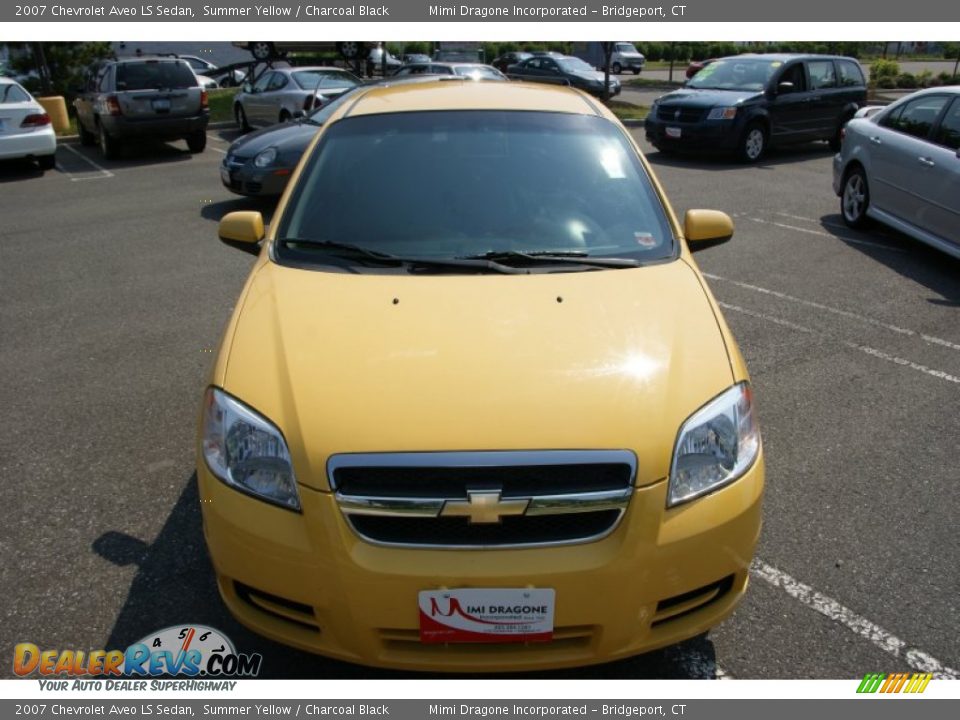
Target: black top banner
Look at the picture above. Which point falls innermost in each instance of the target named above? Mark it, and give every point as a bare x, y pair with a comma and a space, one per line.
641, 11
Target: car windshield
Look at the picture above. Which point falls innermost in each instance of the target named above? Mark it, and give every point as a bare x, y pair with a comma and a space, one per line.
735, 74
312, 79
10, 93
574, 65
155, 75
626, 48
457, 184
478, 72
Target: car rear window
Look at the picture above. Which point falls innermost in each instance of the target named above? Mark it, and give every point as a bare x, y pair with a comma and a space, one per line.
478, 71
155, 75
457, 183
916, 117
850, 74
10, 93
948, 134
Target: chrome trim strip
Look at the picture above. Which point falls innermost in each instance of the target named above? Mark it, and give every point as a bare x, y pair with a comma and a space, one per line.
431, 507
481, 458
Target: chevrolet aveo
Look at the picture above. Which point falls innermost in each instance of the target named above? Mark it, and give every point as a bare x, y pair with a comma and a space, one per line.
491, 420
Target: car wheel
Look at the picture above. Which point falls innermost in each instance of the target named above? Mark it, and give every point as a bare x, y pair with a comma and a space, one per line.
855, 198
86, 137
109, 147
262, 51
753, 143
616, 68
197, 142
241, 118
350, 50
47, 162
636, 71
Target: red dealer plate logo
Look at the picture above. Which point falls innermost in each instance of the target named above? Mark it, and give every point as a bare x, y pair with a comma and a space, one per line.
480, 615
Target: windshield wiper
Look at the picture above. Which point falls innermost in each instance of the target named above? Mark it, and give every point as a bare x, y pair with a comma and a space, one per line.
550, 257
344, 249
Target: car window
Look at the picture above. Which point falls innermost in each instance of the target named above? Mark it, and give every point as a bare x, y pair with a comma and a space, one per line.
263, 81
795, 74
155, 75
575, 65
916, 117
850, 74
196, 63
499, 180
948, 134
441, 70
277, 82
10, 93
324, 113
822, 74
311, 79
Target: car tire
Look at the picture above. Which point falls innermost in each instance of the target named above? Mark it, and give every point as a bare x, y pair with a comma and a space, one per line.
86, 137
47, 162
197, 142
262, 51
350, 50
636, 71
616, 68
241, 118
753, 143
855, 197
109, 147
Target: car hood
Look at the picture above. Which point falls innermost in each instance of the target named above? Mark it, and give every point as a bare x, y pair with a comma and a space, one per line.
708, 98
286, 136
373, 363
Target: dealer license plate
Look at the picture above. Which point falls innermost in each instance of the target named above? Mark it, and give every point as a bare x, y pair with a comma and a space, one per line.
673, 132
161, 105
482, 615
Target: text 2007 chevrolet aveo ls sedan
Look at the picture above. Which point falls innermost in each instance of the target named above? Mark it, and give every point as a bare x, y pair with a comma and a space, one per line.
492, 421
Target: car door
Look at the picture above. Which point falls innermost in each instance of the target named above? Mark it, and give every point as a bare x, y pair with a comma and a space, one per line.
255, 104
789, 109
941, 215
826, 98
901, 167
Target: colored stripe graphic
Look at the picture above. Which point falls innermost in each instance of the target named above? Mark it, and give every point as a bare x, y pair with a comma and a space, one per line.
894, 683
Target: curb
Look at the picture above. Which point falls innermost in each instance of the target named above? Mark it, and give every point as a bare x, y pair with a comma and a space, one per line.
632, 122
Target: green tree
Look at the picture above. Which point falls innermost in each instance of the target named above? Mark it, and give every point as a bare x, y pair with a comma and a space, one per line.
59, 66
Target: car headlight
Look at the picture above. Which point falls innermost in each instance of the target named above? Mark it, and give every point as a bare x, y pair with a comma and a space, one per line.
265, 158
722, 113
246, 451
715, 446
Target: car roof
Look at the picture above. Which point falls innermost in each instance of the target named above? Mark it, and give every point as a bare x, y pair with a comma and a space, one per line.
458, 93
785, 57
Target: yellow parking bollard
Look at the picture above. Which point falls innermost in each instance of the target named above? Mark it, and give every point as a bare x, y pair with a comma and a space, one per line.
56, 108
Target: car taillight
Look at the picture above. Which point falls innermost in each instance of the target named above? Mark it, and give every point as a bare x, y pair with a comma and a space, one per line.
113, 105
204, 101
36, 120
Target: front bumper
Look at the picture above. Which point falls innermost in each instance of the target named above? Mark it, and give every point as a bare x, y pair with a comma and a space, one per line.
36, 143
252, 181
838, 174
705, 136
307, 580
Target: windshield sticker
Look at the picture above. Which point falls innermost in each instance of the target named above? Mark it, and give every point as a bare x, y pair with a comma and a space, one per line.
645, 239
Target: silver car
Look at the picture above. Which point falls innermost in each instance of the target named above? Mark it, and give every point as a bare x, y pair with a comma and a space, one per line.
901, 167
281, 94
474, 71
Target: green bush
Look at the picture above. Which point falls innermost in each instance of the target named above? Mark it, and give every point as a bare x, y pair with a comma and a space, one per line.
907, 81
886, 83
884, 68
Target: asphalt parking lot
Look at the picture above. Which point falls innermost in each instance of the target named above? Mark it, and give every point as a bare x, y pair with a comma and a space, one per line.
114, 291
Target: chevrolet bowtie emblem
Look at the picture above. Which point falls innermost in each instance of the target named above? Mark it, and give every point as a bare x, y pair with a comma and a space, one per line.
484, 507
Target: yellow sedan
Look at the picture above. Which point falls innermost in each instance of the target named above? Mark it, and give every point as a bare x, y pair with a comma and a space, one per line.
476, 408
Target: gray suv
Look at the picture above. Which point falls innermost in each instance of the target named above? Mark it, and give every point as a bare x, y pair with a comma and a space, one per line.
149, 98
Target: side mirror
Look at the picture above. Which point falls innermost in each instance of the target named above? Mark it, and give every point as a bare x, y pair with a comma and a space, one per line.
784, 88
705, 228
242, 230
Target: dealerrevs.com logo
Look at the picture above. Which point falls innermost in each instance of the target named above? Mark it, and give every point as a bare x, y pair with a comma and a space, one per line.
192, 651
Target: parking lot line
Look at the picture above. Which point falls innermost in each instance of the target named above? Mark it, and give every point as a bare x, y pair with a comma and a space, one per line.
881, 638
845, 238
104, 172
903, 362
932, 339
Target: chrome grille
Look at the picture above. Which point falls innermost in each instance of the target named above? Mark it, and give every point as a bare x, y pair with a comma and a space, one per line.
483, 499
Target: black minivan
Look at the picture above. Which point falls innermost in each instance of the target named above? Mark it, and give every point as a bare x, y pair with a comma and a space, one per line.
747, 103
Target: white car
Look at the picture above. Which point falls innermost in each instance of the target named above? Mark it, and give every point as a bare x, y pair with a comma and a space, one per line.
25, 127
